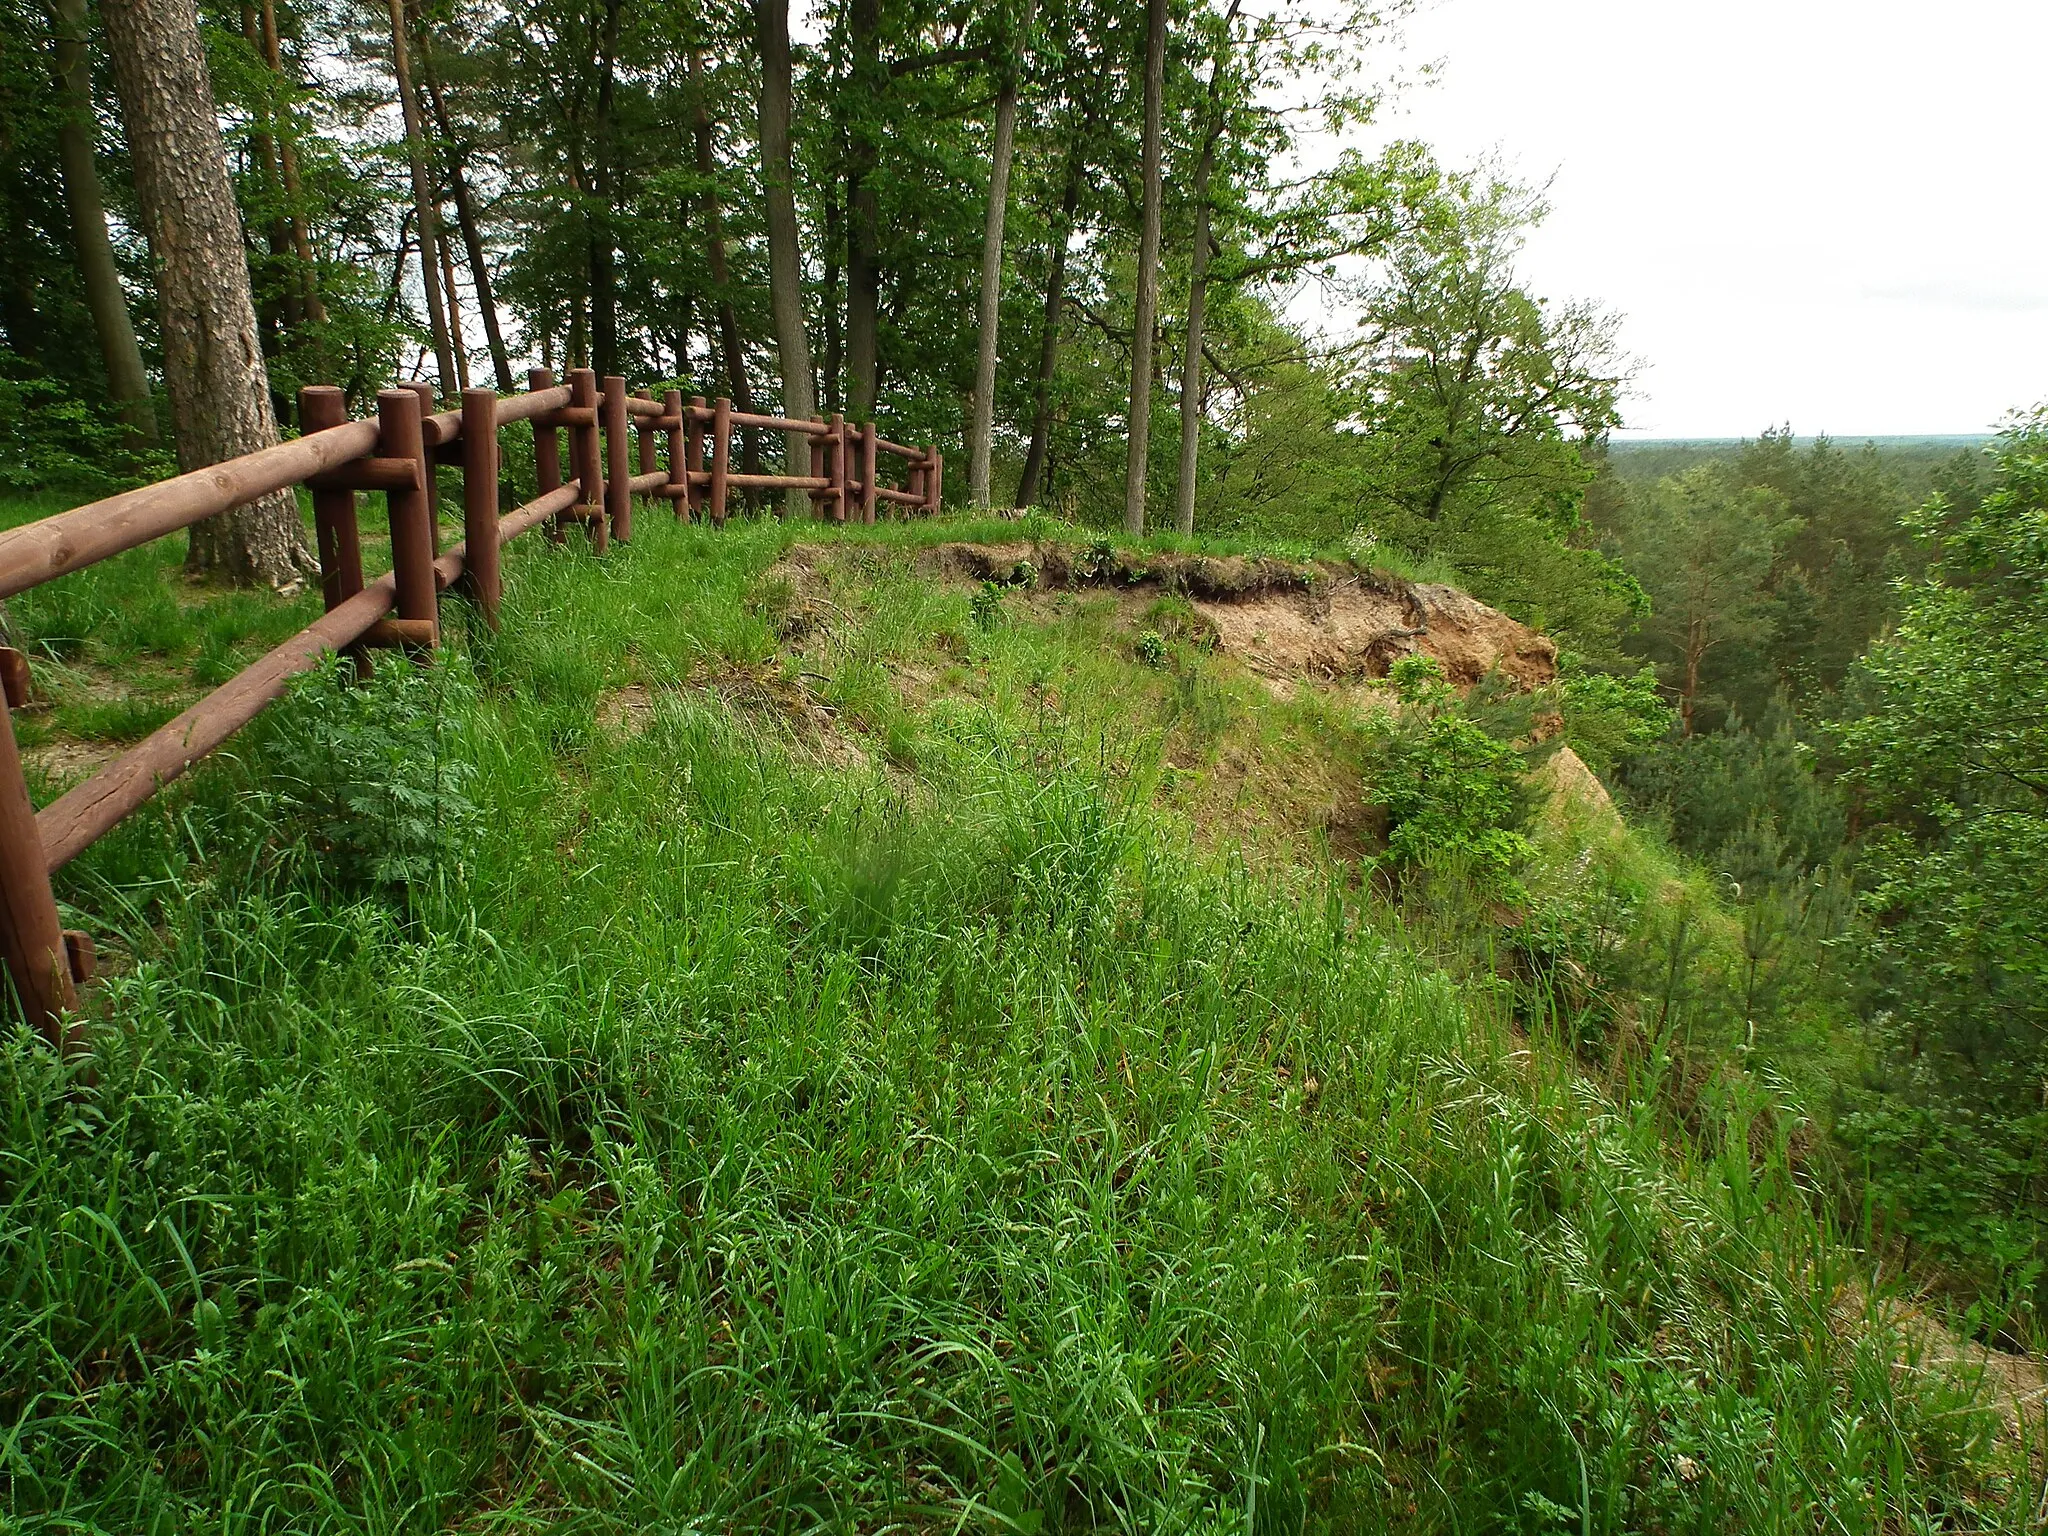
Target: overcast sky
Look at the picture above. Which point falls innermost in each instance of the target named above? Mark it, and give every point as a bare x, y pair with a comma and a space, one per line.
1809, 211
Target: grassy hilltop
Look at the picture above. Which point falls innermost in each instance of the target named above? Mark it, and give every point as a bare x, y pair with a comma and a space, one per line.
674, 1067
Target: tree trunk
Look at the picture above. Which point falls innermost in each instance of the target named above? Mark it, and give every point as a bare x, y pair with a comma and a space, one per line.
1198, 301
466, 222
785, 267
213, 362
868, 82
731, 356
1191, 364
127, 381
1049, 336
455, 330
288, 159
604, 292
1696, 644
426, 213
1146, 310
981, 427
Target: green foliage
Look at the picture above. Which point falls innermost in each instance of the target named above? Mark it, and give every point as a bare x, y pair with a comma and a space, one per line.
1151, 648
1611, 717
1952, 754
986, 606
1452, 793
366, 779
744, 1130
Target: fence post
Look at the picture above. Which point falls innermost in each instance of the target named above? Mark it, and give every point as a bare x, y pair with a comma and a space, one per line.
31, 933
428, 405
480, 497
836, 450
868, 477
583, 455
618, 460
678, 466
935, 485
693, 454
334, 511
721, 457
817, 470
643, 436
412, 534
915, 474
547, 447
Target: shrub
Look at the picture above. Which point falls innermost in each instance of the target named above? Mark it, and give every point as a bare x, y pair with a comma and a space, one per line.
364, 777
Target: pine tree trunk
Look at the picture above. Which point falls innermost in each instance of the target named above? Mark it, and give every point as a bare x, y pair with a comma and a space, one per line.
127, 381
981, 427
213, 361
869, 80
426, 210
1191, 364
1049, 336
288, 159
1145, 317
466, 222
731, 355
604, 264
785, 267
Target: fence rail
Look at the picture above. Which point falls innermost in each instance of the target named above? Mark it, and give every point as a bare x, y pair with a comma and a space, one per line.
682, 451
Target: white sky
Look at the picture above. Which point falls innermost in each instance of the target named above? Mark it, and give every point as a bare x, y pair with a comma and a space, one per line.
1827, 212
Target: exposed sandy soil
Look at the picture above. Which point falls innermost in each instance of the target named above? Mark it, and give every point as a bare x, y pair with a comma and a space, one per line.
1284, 620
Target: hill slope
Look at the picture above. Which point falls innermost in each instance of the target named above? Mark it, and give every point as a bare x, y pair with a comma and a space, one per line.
887, 1055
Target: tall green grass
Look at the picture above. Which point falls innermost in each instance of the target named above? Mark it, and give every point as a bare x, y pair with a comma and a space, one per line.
716, 1140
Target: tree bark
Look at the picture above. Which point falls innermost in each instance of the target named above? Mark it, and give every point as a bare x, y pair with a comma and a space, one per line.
981, 427
466, 221
426, 207
1198, 299
785, 268
1049, 335
454, 307
604, 295
288, 161
127, 380
1146, 310
868, 83
213, 361
731, 355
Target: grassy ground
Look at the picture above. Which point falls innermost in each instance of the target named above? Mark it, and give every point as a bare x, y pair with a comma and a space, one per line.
828, 1082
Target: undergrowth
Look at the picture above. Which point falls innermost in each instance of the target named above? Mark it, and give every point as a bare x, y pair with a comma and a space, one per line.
709, 1136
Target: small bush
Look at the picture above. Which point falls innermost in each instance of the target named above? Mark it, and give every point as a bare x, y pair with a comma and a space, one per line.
1151, 648
365, 778
986, 606
1451, 791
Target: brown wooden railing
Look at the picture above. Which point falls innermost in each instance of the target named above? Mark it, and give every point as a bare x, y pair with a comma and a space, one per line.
395, 453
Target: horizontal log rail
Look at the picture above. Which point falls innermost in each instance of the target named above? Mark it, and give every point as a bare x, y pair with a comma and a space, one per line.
681, 450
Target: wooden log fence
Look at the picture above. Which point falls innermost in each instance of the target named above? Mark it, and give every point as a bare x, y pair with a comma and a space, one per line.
681, 450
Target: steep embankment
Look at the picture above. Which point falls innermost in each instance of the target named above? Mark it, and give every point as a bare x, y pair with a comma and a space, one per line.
812, 1076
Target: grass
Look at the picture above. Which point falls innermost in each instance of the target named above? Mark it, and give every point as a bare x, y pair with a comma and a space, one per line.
741, 1133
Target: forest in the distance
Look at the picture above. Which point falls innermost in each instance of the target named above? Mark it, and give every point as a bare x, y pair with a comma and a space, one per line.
1070, 243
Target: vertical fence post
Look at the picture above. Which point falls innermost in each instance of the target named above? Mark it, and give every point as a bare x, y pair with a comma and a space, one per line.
678, 466
643, 435
837, 459
721, 457
334, 512
412, 534
428, 403
693, 454
868, 476
583, 455
547, 447
31, 933
819, 499
915, 473
934, 479
480, 497
618, 460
